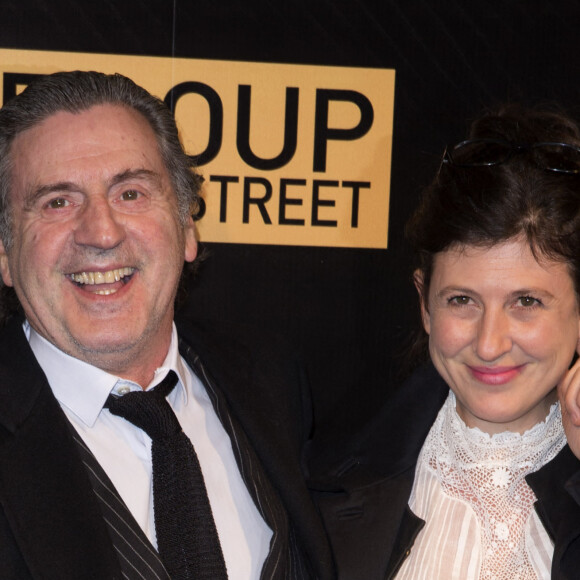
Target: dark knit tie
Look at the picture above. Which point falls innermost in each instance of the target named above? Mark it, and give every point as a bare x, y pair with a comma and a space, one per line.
187, 538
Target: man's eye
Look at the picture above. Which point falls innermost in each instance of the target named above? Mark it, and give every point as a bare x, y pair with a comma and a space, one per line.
57, 203
130, 195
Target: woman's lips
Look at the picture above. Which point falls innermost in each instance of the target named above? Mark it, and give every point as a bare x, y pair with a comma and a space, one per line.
495, 375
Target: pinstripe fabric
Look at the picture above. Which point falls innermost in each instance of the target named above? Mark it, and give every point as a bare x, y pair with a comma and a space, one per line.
285, 560
137, 557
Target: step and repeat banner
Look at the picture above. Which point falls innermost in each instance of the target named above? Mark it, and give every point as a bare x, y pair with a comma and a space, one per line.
291, 154
315, 124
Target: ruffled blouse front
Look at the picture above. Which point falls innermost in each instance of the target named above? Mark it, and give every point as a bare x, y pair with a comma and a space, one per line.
470, 488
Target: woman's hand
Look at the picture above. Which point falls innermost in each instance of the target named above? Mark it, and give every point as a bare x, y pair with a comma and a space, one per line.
569, 394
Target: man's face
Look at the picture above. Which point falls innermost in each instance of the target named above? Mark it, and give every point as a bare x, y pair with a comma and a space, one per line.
98, 246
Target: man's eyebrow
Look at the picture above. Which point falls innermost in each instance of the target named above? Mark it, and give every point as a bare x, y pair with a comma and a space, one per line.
136, 174
39, 192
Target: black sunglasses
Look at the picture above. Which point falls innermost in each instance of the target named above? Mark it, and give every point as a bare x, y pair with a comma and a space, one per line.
559, 157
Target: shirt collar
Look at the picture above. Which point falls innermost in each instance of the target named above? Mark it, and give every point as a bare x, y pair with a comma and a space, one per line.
83, 388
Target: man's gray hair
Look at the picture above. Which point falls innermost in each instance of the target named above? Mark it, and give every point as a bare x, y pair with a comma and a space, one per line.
77, 91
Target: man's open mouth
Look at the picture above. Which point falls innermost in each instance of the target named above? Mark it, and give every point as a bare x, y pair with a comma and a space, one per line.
111, 277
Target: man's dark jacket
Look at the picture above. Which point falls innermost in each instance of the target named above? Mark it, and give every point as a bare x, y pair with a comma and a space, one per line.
364, 498
51, 524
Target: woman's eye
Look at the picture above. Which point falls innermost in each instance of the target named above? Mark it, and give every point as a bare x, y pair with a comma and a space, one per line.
527, 301
460, 300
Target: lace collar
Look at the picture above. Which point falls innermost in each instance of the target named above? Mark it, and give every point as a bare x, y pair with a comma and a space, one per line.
488, 473
533, 448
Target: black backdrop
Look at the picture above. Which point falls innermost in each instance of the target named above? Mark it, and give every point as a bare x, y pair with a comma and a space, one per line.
350, 310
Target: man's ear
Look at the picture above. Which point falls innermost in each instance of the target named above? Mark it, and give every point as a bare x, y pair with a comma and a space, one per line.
423, 300
4, 266
190, 240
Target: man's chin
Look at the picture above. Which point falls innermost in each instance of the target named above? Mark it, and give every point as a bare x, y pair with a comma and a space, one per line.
108, 344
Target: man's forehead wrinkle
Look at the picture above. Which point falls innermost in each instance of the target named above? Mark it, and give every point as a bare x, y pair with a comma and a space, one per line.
141, 173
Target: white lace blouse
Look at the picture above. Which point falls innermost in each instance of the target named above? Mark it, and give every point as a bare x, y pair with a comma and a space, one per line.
470, 489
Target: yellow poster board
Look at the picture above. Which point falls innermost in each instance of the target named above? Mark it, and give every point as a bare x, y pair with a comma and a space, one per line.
291, 154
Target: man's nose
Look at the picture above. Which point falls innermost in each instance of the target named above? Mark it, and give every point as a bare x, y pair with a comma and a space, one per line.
99, 225
493, 338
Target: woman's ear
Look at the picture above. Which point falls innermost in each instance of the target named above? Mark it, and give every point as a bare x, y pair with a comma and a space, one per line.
423, 300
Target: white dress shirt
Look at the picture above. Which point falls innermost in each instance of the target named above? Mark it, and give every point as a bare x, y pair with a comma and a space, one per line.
124, 451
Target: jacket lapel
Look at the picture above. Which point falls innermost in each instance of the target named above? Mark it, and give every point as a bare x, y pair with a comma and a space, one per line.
257, 483
559, 510
364, 499
45, 493
137, 557
369, 516
264, 411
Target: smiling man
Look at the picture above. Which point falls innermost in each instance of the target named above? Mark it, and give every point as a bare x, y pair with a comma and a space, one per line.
98, 246
131, 445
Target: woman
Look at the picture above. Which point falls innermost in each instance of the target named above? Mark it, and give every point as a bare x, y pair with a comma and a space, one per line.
466, 472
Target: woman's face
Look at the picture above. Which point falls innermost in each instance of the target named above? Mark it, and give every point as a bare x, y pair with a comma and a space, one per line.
503, 329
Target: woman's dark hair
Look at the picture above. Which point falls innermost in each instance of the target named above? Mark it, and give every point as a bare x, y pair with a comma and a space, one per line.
487, 205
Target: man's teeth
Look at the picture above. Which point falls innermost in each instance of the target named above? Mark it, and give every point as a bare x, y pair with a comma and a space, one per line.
107, 277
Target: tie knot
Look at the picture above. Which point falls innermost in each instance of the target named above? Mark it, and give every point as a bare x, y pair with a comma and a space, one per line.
148, 410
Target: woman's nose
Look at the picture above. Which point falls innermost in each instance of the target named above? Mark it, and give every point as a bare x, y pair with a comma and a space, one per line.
493, 337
